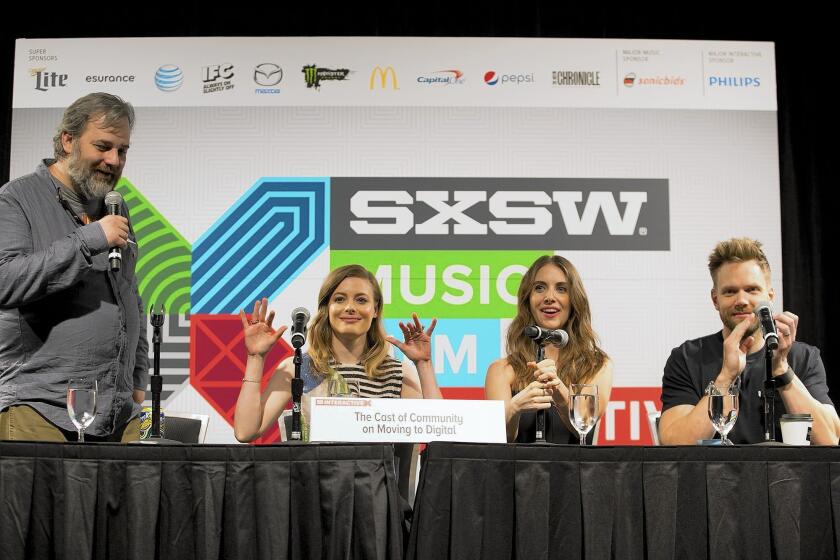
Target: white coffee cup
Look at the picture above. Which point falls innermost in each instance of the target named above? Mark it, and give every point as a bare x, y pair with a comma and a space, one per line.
796, 429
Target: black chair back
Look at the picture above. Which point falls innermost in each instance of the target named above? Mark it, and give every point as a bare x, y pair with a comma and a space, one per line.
185, 430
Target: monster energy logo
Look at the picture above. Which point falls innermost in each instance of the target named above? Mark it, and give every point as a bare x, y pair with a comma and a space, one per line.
313, 75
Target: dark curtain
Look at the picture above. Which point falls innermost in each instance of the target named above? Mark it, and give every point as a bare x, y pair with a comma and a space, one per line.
805, 45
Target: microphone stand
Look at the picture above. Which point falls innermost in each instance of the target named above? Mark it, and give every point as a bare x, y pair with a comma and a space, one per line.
157, 320
297, 393
540, 413
156, 381
769, 396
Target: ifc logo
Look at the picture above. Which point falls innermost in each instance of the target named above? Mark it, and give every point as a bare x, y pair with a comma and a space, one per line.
169, 77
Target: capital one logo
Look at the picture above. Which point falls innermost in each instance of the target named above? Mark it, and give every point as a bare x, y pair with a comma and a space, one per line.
467, 213
382, 74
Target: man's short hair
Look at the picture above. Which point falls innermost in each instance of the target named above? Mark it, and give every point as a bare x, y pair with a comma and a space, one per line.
737, 249
110, 108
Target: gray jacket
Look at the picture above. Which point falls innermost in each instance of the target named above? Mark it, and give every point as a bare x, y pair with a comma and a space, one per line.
63, 314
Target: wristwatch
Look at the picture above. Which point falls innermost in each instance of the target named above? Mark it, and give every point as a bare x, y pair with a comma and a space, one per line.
781, 380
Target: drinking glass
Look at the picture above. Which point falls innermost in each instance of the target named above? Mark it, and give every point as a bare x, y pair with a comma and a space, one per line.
341, 387
723, 408
81, 403
583, 408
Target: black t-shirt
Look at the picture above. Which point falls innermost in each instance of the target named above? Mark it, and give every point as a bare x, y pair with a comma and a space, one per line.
695, 363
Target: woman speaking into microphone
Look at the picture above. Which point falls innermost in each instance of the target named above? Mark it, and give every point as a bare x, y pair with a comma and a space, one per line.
550, 296
346, 339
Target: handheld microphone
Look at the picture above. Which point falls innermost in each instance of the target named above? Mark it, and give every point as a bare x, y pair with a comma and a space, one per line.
557, 337
764, 312
113, 201
300, 316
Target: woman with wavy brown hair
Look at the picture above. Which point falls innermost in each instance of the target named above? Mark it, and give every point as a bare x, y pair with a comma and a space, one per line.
346, 338
551, 296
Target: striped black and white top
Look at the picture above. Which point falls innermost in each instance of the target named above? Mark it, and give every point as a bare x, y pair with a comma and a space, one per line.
388, 385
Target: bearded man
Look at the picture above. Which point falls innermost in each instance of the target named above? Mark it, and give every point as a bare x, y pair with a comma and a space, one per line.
64, 311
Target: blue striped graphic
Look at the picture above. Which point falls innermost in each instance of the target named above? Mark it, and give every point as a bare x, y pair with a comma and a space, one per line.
260, 244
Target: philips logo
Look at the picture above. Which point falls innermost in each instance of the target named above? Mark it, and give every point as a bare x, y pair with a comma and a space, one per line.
735, 81
555, 214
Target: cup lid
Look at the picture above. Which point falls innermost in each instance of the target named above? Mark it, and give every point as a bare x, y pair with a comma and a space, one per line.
797, 417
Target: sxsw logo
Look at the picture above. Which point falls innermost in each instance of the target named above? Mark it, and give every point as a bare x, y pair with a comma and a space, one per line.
380, 75
471, 213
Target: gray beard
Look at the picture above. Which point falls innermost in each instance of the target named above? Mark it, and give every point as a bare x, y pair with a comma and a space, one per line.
86, 182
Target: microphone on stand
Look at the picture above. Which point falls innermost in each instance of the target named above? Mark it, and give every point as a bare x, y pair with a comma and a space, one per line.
764, 312
557, 337
541, 337
113, 202
300, 316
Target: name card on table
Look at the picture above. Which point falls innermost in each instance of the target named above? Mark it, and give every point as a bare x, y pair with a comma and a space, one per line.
406, 420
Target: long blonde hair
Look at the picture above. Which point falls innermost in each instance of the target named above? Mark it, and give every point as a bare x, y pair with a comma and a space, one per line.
320, 332
581, 359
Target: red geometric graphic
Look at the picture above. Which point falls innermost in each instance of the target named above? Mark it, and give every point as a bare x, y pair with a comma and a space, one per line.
217, 364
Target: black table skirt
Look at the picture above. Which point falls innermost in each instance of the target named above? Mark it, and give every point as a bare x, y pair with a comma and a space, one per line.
546, 501
123, 502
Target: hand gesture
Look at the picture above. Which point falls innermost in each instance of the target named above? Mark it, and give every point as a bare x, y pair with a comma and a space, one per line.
786, 324
736, 346
259, 336
417, 346
115, 229
533, 397
546, 373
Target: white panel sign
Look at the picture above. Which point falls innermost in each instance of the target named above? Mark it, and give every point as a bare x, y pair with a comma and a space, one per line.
407, 420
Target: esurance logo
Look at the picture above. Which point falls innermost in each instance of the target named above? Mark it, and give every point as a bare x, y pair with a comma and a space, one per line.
493, 214
380, 76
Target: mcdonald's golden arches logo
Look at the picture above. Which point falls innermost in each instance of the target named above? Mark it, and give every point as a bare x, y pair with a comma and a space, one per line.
382, 74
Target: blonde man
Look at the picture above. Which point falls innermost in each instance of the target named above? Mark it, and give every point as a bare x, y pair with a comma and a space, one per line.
740, 283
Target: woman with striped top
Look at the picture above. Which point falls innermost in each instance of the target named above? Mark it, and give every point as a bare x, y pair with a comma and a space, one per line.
346, 338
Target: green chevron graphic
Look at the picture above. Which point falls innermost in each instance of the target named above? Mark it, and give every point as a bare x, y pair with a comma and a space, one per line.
163, 269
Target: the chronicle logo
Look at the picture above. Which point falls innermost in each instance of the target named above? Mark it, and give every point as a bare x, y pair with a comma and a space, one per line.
47, 80
217, 77
314, 75
267, 75
576, 78
493, 213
